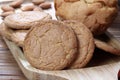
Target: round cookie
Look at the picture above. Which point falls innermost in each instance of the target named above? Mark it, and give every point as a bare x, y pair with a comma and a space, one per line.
24, 20
17, 36
50, 46
85, 44
97, 15
106, 47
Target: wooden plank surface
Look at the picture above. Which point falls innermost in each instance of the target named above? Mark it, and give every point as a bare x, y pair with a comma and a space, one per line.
9, 70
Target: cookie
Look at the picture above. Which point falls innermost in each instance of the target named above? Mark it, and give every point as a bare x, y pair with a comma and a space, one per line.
106, 47
85, 44
16, 36
50, 46
25, 20
97, 15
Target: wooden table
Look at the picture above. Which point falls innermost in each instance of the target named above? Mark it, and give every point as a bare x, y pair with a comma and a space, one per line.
9, 70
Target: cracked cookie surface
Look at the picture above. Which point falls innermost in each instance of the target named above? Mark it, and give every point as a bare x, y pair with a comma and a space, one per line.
97, 15
25, 20
85, 44
50, 46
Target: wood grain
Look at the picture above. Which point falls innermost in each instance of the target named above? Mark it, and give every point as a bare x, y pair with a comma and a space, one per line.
9, 70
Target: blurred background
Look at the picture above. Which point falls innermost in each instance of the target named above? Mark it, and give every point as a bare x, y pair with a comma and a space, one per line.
119, 2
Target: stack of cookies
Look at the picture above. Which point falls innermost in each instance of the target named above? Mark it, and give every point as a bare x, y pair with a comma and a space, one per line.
68, 44
55, 45
49, 42
16, 26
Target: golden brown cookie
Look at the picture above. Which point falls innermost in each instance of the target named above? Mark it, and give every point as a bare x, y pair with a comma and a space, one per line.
106, 47
85, 44
25, 20
16, 36
97, 15
50, 46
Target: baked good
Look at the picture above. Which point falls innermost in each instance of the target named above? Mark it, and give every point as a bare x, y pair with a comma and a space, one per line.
85, 44
107, 47
97, 15
50, 46
25, 20
17, 36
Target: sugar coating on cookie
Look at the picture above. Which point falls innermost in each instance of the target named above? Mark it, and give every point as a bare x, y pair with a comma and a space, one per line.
97, 15
50, 46
85, 44
24, 20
